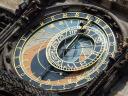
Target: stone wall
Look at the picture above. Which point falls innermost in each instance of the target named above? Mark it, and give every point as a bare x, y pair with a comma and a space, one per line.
10, 4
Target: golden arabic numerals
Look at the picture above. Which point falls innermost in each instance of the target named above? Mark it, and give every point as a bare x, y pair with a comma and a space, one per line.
53, 18
88, 17
65, 15
71, 32
97, 20
77, 14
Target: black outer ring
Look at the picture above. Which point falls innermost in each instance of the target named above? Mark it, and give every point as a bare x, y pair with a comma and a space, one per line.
89, 7
54, 10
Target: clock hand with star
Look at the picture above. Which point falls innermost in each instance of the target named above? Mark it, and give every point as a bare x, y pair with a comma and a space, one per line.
81, 31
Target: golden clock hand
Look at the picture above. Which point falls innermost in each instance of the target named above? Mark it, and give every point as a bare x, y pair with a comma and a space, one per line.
71, 43
81, 31
84, 28
69, 46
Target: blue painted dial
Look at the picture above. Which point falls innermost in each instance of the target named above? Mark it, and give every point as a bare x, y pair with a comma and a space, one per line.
67, 51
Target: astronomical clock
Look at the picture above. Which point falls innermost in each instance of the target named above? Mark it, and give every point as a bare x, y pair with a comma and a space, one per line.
64, 47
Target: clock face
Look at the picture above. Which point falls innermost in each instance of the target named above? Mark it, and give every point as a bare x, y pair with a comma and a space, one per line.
66, 52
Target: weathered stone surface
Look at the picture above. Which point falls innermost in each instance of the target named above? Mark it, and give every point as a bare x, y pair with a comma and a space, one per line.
10, 4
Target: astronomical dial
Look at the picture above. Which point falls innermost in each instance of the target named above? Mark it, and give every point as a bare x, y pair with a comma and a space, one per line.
74, 48
66, 52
